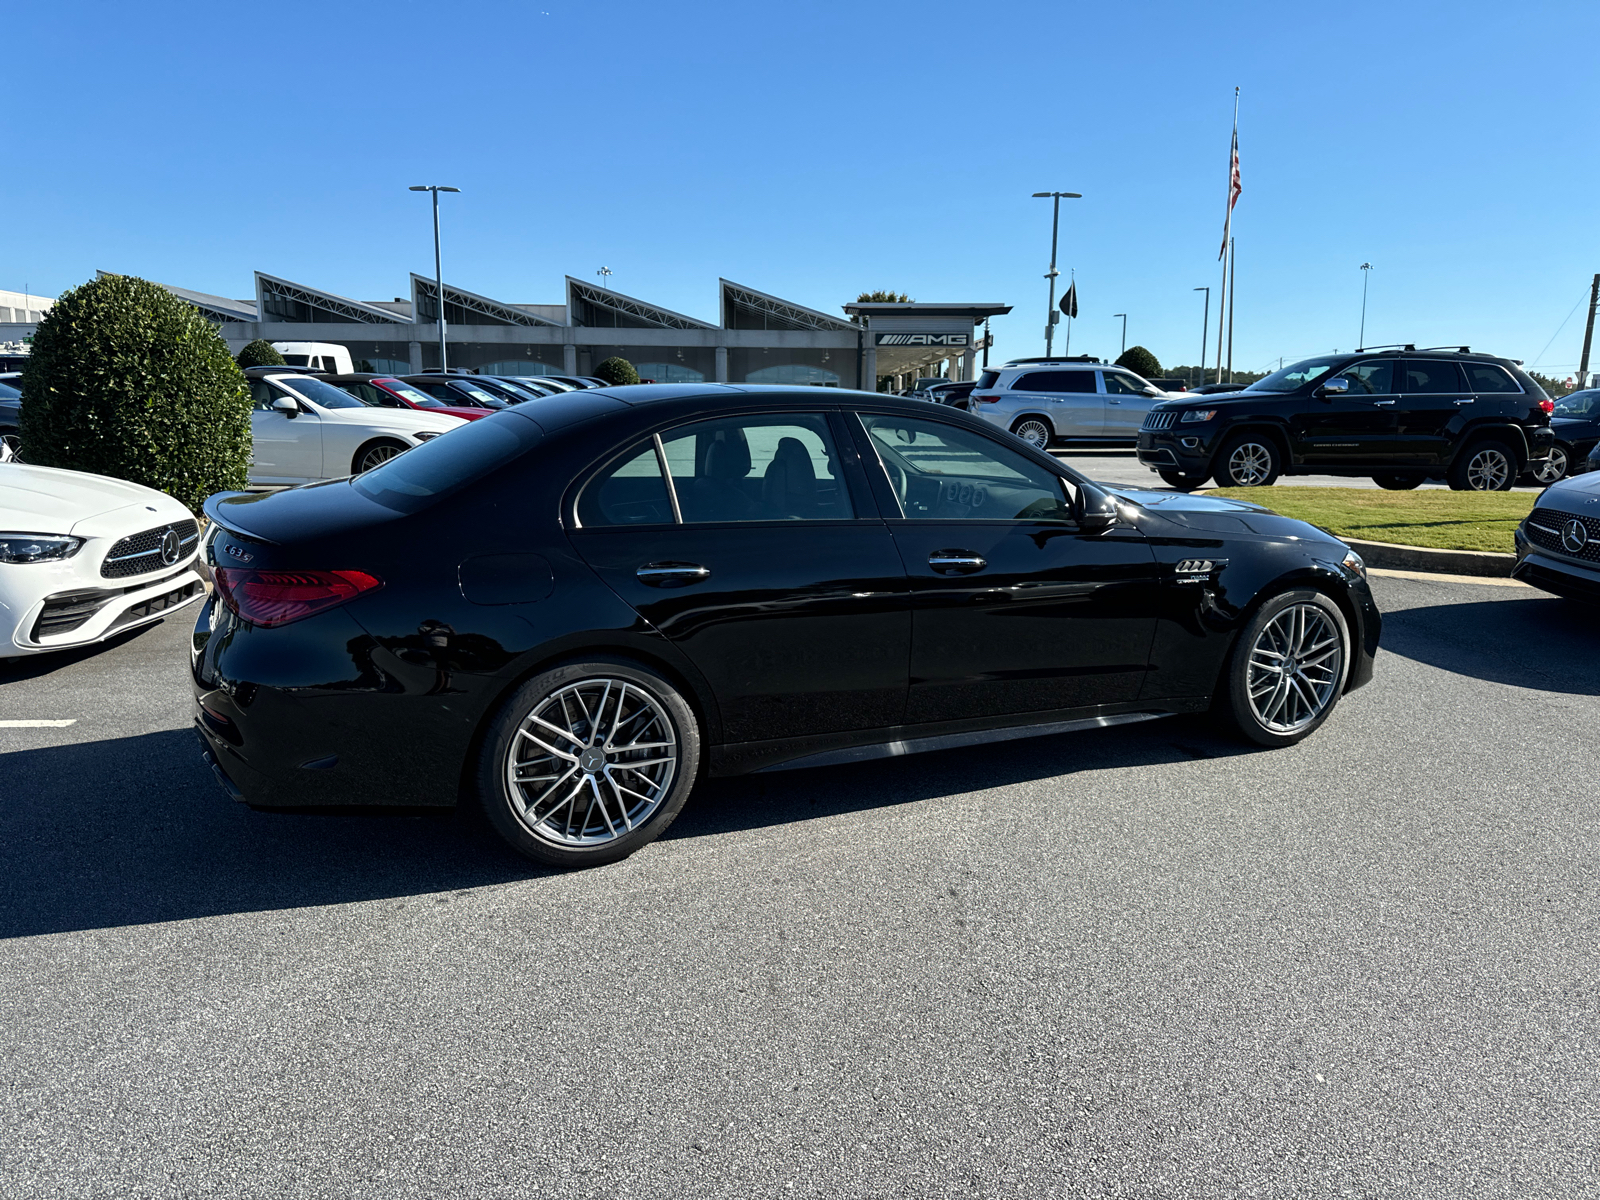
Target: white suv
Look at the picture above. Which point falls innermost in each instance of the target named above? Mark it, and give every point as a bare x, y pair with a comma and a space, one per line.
1044, 400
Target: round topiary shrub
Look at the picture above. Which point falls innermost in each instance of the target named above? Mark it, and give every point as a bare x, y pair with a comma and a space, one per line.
617, 372
129, 381
1140, 361
260, 353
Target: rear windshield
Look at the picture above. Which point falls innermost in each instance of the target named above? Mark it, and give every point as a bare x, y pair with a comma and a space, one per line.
323, 395
427, 473
987, 380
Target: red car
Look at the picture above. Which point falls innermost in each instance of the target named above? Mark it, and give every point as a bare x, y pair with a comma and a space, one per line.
385, 391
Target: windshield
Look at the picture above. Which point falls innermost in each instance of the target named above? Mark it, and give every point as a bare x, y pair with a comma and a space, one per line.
8, 393
1579, 404
484, 397
1291, 378
409, 394
520, 392
323, 395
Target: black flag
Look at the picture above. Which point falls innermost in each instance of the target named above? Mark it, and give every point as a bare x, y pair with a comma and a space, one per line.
1069, 302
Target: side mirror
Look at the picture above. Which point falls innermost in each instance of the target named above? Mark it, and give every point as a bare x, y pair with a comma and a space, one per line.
286, 406
1334, 387
1096, 510
1151, 389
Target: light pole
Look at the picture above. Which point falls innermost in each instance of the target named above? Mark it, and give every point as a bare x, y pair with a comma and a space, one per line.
1124, 317
438, 262
605, 277
1365, 267
1205, 326
1055, 224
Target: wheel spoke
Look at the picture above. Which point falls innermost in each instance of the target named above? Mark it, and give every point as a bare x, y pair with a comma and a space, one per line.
547, 748
556, 729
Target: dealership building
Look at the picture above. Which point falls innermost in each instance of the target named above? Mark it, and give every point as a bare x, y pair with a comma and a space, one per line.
759, 338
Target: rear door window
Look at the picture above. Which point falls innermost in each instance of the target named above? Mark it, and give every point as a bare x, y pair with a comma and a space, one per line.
1437, 378
1487, 377
631, 491
763, 467
1056, 381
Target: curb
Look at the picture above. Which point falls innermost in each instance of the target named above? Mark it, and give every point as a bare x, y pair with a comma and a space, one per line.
1387, 556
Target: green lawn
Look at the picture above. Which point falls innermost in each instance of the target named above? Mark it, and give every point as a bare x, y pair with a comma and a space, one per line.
1440, 519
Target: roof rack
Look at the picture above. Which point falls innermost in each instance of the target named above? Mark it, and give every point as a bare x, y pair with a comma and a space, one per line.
1452, 349
1054, 358
1390, 346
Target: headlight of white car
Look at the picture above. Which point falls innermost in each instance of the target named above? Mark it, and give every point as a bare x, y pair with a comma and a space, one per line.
36, 547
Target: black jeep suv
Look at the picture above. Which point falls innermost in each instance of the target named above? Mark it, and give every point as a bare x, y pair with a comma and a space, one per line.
1399, 415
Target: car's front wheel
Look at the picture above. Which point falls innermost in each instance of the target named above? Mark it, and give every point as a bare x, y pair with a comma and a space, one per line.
1288, 668
1248, 460
375, 454
1034, 431
1486, 465
588, 762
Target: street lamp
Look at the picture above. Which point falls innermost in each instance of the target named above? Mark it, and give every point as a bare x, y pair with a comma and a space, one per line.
1124, 317
605, 277
1205, 325
1055, 223
438, 264
1365, 267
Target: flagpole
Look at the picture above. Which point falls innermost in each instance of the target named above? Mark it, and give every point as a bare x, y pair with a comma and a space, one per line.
1072, 284
1233, 285
1227, 225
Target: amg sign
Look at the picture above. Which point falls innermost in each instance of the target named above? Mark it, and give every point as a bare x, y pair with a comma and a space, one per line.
921, 339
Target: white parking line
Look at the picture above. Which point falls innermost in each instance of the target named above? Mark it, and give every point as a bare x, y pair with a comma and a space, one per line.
38, 724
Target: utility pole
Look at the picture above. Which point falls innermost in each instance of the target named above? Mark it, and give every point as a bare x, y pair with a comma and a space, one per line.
1205, 328
1053, 274
1124, 317
1365, 268
438, 267
1588, 333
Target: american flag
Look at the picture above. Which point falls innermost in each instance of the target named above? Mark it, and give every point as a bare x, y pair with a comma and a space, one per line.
1234, 188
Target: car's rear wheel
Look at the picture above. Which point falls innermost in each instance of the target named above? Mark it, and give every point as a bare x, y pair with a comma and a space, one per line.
1288, 668
1184, 481
375, 454
1398, 482
1248, 460
588, 762
1486, 465
1034, 431
1542, 472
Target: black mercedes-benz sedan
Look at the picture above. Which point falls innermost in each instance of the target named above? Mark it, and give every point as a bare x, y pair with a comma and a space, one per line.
570, 612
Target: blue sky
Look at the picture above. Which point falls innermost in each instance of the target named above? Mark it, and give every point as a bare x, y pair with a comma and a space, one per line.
814, 150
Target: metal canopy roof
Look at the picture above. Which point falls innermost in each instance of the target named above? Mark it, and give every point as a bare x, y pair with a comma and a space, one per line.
745, 308
976, 312
590, 305
286, 296
467, 305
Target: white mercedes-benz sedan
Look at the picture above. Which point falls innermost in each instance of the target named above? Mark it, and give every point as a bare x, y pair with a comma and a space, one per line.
83, 557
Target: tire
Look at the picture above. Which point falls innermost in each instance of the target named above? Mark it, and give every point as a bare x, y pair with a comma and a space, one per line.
1545, 471
1486, 465
574, 711
374, 454
1263, 703
1398, 482
1035, 431
1248, 460
10, 446
1182, 480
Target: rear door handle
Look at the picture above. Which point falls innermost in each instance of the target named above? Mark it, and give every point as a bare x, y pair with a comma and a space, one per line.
1113, 401
1382, 403
956, 562
672, 574
1461, 402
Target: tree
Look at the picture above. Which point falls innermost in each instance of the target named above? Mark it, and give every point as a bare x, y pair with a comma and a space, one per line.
1554, 388
127, 380
881, 298
1141, 362
617, 371
260, 353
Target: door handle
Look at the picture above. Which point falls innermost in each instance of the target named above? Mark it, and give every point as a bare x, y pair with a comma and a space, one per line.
1113, 401
1461, 402
672, 574
1382, 403
956, 562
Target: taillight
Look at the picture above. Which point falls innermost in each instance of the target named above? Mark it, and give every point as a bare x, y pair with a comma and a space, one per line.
269, 598
986, 397
1549, 406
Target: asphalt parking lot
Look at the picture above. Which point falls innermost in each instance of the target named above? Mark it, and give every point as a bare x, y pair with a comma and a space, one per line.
1120, 467
1143, 961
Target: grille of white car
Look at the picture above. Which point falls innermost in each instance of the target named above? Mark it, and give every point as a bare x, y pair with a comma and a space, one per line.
141, 552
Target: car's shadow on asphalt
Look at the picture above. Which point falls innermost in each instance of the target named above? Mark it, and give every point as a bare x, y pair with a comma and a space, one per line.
1535, 642
36, 666
134, 830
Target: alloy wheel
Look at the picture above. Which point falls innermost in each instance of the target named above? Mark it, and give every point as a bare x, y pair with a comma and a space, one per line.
591, 762
1547, 470
377, 455
1295, 668
1035, 433
1250, 464
1488, 470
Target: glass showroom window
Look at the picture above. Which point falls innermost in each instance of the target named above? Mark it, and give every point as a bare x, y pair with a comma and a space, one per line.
518, 366
794, 373
669, 372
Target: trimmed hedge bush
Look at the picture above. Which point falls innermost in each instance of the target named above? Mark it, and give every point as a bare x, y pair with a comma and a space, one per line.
260, 353
1141, 362
617, 372
129, 381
